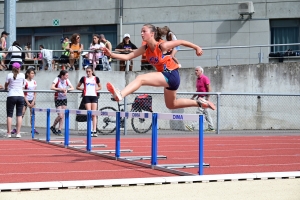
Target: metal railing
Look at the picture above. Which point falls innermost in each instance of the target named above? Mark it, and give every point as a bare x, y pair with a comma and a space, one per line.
218, 56
235, 113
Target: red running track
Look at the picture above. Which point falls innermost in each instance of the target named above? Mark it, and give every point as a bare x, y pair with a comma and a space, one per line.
31, 161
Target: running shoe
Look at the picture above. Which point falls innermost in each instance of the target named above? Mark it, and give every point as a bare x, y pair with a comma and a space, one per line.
14, 131
94, 134
115, 92
205, 104
35, 132
190, 127
59, 133
53, 130
9, 135
210, 129
18, 135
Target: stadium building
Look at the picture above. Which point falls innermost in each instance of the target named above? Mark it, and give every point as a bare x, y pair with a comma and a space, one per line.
210, 24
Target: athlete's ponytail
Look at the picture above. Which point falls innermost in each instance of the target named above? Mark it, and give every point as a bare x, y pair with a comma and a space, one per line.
158, 34
156, 31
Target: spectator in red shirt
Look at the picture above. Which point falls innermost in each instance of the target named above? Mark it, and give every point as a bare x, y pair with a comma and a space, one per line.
202, 85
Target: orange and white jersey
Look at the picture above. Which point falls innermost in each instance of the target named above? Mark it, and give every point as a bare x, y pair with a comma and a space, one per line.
159, 60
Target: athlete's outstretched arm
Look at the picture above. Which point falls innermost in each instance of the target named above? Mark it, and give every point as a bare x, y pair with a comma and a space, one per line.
165, 46
129, 56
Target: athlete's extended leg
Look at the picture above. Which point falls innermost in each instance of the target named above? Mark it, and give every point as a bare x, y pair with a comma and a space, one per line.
155, 79
173, 103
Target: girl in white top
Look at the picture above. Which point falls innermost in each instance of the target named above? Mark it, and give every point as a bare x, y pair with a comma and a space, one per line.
14, 84
61, 85
170, 36
96, 45
91, 84
29, 97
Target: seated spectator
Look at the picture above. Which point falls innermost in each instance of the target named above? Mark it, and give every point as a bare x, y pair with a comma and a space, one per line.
64, 58
15, 57
75, 49
85, 60
125, 47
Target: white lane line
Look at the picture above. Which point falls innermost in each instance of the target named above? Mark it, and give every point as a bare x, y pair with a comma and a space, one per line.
60, 162
256, 165
64, 172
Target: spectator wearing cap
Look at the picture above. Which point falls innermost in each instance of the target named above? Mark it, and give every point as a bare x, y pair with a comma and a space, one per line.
14, 84
85, 60
125, 47
16, 54
4, 35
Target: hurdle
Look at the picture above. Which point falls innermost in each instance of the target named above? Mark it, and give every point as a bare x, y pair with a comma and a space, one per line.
77, 144
171, 168
180, 117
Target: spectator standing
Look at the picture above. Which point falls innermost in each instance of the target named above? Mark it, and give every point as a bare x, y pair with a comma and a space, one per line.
91, 84
107, 44
202, 85
75, 48
14, 84
4, 35
96, 54
2, 60
170, 36
47, 57
29, 97
15, 54
125, 47
62, 85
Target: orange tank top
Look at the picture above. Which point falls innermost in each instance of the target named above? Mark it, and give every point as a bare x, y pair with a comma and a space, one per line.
159, 60
75, 47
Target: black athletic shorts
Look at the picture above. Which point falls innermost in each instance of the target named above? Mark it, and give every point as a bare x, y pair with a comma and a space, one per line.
90, 99
60, 102
13, 101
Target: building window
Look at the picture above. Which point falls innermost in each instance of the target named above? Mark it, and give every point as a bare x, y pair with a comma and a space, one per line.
285, 31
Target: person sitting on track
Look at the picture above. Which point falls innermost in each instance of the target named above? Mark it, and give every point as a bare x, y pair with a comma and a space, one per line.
167, 76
